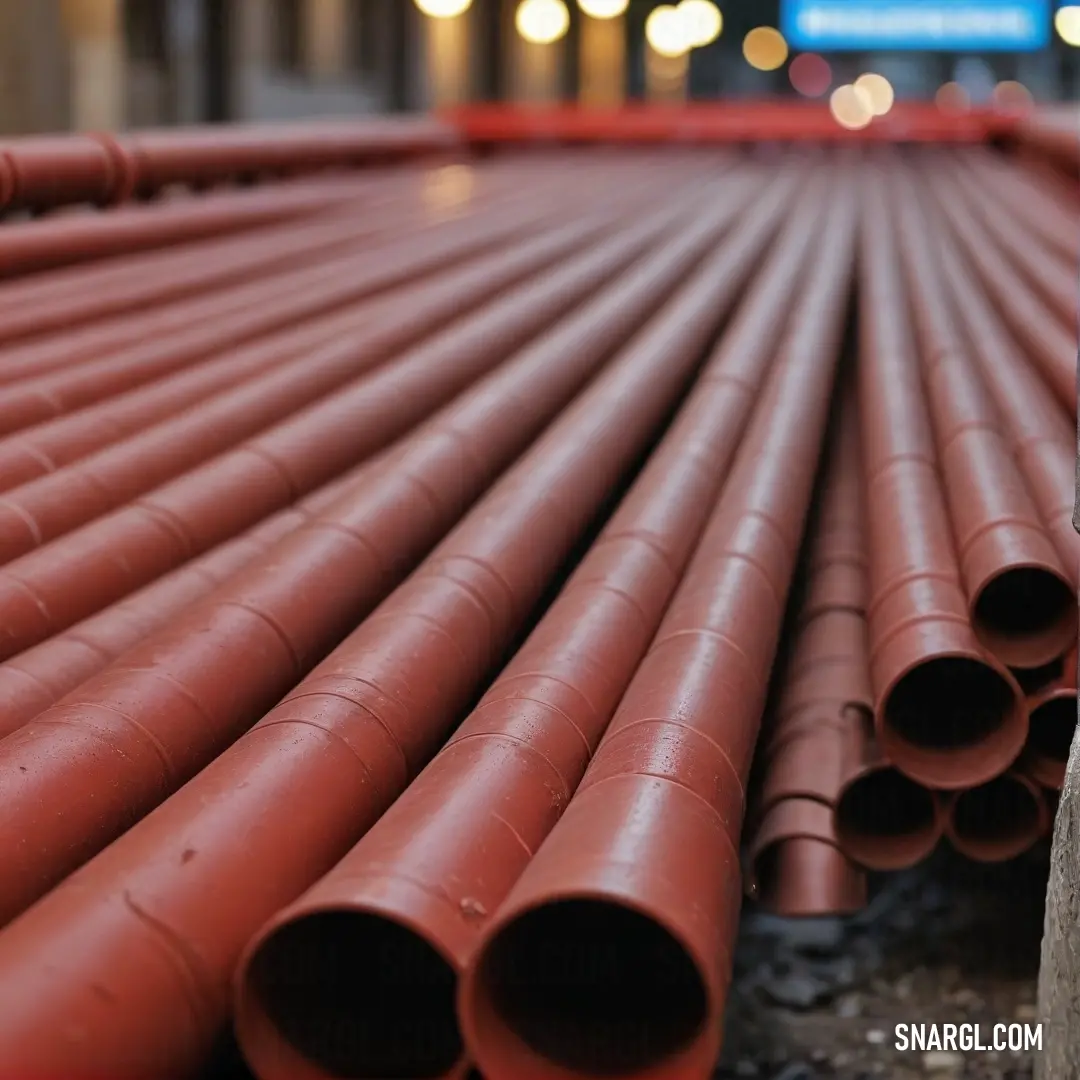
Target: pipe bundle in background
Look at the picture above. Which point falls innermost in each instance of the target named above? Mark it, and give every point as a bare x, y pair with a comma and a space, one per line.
433, 593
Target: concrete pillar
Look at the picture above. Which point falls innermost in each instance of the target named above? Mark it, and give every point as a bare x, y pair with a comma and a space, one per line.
665, 76
95, 34
538, 73
535, 73
447, 47
250, 49
34, 92
186, 50
602, 61
326, 38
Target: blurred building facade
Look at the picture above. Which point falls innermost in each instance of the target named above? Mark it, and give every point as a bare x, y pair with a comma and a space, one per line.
87, 64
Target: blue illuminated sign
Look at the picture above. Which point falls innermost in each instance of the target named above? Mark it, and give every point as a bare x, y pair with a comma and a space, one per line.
935, 25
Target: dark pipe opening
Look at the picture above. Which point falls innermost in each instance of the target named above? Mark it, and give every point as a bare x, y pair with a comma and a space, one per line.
1032, 680
359, 996
949, 703
1052, 726
1001, 811
767, 872
885, 804
1023, 610
594, 987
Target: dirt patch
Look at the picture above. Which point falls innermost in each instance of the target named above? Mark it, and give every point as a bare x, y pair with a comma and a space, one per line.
949, 943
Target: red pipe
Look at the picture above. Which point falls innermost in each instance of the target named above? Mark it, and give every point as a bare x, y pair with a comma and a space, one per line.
829, 669
46, 448
187, 666
835, 573
822, 747
1016, 192
51, 242
634, 897
52, 170
44, 509
1052, 135
211, 154
1050, 273
883, 820
292, 294
39, 677
49, 170
62, 299
1050, 345
498, 786
46, 591
229, 825
707, 123
1051, 726
998, 820
161, 341
401, 202
802, 756
948, 715
1022, 603
796, 867
1043, 438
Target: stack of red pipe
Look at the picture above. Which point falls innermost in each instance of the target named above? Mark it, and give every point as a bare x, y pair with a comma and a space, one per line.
391, 589
931, 687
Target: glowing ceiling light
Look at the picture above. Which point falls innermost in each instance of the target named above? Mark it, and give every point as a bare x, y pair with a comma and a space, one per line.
850, 108
542, 22
443, 9
603, 9
666, 32
878, 91
1067, 24
765, 48
702, 20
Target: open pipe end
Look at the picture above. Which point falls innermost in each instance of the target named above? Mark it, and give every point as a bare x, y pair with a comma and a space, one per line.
1051, 727
341, 993
998, 820
886, 821
584, 988
1026, 617
953, 722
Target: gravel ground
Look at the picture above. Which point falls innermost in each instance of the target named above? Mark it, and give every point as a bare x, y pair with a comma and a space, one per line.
951, 942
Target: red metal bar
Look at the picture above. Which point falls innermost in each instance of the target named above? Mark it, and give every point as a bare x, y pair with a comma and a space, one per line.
52, 170
708, 123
